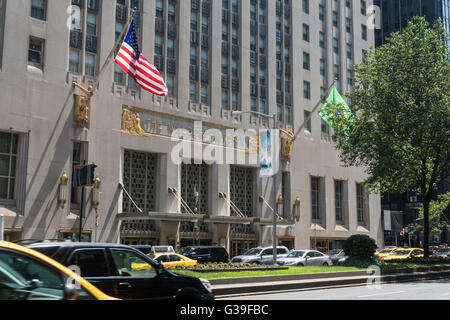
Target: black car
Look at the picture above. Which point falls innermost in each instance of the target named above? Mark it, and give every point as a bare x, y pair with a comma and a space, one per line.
204, 254
124, 272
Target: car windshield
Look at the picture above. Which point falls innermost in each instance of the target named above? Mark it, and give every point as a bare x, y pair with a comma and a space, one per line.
386, 250
401, 252
252, 252
296, 254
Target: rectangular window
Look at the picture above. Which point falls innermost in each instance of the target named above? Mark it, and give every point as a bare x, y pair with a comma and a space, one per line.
348, 25
338, 201
38, 9
306, 90
225, 100
322, 67
363, 7
90, 65
306, 32
363, 32
8, 165
79, 156
36, 53
204, 94
307, 114
324, 130
306, 63
360, 203
321, 12
335, 45
305, 6
348, 49
193, 91
335, 19
350, 77
336, 72
91, 25
316, 209
74, 61
321, 39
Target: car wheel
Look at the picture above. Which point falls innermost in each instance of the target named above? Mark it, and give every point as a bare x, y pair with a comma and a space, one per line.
300, 264
326, 264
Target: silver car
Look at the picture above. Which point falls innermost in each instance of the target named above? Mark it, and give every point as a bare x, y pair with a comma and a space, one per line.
303, 258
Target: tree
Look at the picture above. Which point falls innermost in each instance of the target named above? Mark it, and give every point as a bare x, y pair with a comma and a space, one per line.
438, 221
400, 129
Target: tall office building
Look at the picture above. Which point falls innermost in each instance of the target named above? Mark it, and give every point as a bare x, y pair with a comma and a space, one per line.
395, 15
217, 56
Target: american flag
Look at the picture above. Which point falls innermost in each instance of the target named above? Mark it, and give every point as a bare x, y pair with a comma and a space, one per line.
130, 59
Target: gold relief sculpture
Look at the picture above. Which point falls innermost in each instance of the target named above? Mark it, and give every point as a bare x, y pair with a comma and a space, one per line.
81, 109
287, 140
131, 123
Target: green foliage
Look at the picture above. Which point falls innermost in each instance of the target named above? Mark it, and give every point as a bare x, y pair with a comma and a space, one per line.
401, 102
360, 247
438, 221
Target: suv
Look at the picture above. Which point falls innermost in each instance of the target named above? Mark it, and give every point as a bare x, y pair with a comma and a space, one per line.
124, 272
204, 254
261, 255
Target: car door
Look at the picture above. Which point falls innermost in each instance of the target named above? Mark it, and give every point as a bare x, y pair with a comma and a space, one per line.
136, 277
313, 258
321, 258
94, 267
267, 256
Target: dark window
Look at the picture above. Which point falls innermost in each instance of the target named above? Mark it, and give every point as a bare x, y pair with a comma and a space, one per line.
92, 262
38, 8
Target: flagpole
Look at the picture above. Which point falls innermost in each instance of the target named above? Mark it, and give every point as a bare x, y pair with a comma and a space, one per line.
314, 110
118, 41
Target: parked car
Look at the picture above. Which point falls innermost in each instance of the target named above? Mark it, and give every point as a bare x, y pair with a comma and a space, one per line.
301, 258
404, 254
445, 253
204, 254
174, 260
261, 255
337, 255
26, 274
124, 272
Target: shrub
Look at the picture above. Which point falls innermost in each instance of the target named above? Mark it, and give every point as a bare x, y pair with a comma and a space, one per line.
360, 247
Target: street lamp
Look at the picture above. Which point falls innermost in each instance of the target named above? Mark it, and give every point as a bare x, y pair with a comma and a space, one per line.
274, 231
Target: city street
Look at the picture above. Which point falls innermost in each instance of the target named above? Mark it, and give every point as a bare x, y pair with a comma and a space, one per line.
422, 290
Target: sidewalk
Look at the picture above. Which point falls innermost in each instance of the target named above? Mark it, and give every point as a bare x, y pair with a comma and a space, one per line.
253, 285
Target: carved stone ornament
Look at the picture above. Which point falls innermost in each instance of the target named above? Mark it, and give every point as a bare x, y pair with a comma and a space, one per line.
131, 123
81, 109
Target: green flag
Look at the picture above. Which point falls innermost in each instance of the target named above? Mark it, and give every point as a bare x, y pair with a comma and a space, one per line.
336, 112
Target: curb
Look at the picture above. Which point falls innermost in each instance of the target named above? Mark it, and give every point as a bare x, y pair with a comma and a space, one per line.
236, 286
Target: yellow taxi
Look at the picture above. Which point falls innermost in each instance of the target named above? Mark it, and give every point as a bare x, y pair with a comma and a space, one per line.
174, 260
26, 274
385, 252
404, 254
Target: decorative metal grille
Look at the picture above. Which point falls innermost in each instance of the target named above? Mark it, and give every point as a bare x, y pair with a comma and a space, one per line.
194, 178
241, 189
241, 194
139, 179
138, 225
